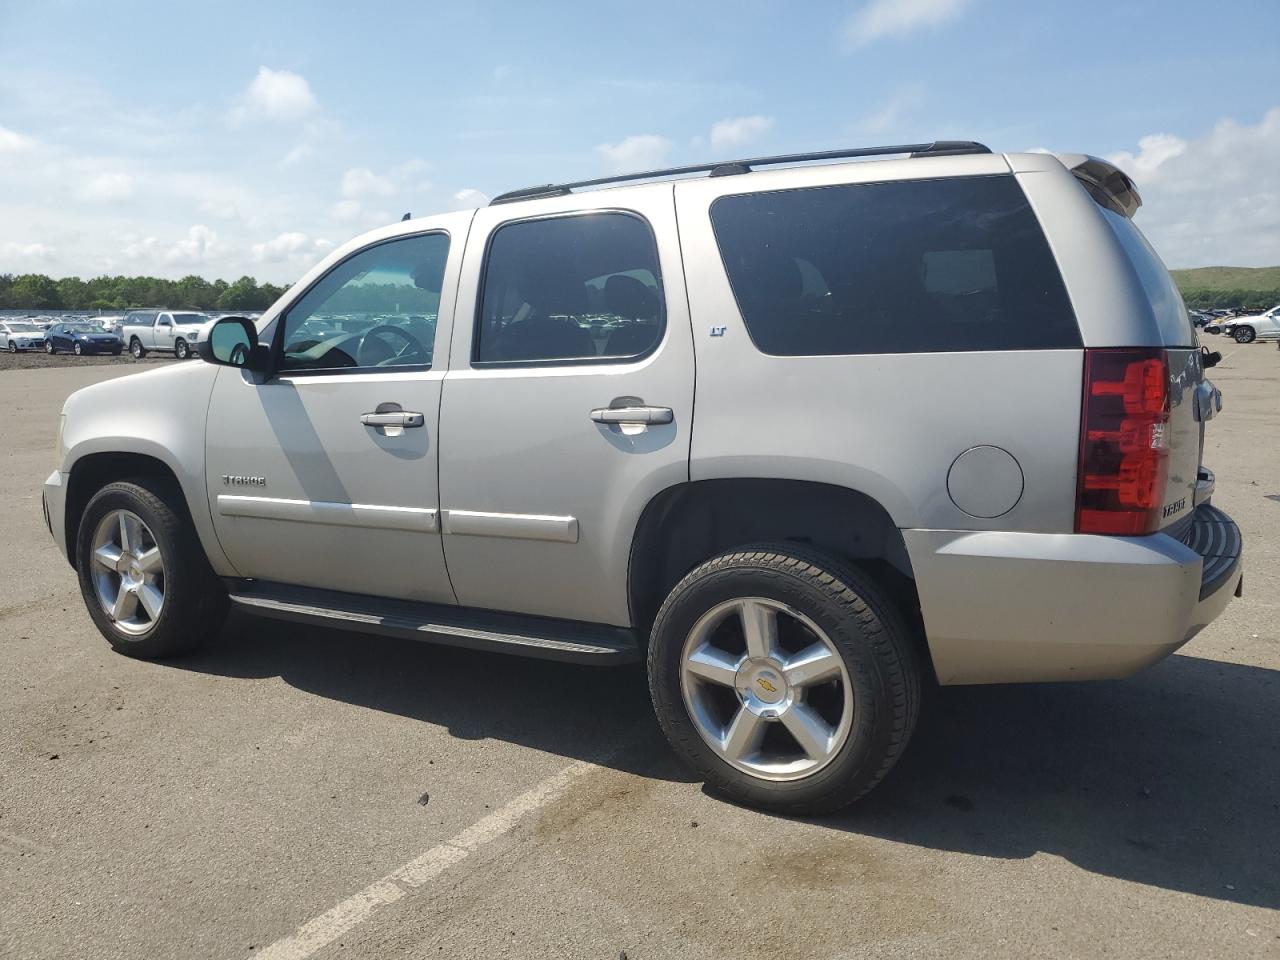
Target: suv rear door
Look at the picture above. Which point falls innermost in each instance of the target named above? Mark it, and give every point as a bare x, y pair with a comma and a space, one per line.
567, 307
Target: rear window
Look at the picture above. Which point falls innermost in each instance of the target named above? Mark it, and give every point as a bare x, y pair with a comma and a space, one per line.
1175, 325
903, 267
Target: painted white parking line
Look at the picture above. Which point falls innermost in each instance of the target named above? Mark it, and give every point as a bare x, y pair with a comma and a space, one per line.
323, 930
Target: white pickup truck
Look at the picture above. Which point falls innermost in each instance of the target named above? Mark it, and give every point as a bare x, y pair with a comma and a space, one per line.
166, 330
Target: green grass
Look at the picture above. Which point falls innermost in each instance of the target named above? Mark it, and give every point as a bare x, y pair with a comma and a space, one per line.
1249, 288
1228, 278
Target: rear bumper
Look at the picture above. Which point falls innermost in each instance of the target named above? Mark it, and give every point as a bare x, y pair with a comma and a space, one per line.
1022, 607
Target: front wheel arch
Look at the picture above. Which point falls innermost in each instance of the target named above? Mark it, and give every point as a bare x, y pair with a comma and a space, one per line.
94, 471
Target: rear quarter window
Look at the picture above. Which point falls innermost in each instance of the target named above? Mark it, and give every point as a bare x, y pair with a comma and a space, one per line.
900, 267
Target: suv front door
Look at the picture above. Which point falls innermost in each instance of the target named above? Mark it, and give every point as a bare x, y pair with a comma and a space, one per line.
325, 475
563, 313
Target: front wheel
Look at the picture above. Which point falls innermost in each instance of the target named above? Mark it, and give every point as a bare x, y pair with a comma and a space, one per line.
135, 348
180, 350
13, 347
786, 679
77, 350
143, 573
1244, 334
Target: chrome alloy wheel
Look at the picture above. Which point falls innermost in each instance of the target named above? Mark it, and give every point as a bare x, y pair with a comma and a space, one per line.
128, 572
766, 688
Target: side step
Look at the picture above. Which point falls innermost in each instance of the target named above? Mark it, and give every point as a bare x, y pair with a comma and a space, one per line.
568, 640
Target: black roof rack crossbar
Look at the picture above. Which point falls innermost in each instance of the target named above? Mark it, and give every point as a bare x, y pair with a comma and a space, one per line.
939, 148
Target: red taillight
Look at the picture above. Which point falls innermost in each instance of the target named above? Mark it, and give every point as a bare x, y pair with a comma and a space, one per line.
1124, 441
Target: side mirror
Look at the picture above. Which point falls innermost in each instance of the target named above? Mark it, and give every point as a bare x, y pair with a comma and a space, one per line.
233, 342
1209, 358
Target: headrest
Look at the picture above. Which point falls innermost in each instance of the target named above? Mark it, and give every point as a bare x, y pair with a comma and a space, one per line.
630, 298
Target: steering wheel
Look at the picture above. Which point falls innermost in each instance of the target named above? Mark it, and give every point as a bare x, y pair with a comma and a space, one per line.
365, 354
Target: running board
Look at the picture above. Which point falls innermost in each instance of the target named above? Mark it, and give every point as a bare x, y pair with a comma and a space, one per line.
527, 636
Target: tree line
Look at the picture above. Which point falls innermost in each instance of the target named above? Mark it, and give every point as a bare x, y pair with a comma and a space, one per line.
35, 291
1205, 299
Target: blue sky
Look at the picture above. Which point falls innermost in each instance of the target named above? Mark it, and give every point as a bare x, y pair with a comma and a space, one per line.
231, 138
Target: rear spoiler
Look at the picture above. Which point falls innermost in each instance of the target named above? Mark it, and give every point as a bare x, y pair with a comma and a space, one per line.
1107, 184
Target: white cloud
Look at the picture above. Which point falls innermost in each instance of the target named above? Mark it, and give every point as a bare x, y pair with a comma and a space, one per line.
345, 210
13, 142
468, 199
220, 209
197, 248
1214, 200
735, 131
1153, 151
281, 248
891, 113
106, 187
26, 251
297, 154
635, 153
895, 18
363, 182
199, 245
276, 95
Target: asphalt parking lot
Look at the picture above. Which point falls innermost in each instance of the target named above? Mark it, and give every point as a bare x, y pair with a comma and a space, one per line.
296, 793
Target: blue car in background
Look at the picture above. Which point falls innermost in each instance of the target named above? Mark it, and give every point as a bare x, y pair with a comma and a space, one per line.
82, 338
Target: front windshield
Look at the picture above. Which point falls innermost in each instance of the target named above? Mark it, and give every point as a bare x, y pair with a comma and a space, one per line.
23, 328
86, 328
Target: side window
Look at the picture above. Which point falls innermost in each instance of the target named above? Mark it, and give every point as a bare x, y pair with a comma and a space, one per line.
580, 287
163, 320
376, 309
918, 266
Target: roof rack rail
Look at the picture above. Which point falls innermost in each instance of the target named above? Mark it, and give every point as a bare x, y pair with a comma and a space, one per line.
939, 148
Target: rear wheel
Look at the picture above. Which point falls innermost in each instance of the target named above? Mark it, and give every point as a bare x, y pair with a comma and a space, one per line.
49, 348
785, 678
136, 348
180, 350
143, 573
1244, 334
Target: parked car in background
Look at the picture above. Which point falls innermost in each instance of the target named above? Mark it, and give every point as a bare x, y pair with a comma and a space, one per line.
81, 338
111, 324
1258, 326
1199, 318
19, 335
168, 331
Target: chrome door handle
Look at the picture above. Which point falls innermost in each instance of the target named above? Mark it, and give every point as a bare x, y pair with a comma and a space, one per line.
397, 418
641, 415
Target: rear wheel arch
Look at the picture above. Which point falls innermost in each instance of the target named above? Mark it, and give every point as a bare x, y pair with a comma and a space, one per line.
685, 525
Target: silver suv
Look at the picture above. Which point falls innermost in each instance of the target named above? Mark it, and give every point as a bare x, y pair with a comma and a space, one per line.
806, 438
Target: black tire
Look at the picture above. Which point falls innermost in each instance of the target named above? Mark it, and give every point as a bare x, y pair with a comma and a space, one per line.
77, 349
13, 347
874, 641
1244, 334
49, 348
180, 350
195, 601
137, 349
